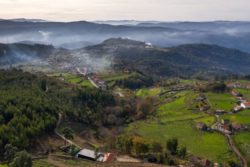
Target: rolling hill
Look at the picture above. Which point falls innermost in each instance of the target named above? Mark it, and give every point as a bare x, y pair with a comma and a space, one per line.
73, 35
175, 61
126, 54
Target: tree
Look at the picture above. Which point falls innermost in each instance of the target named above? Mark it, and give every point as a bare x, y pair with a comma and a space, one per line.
10, 152
182, 152
172, 146
156, 147
44, 85
140, 146
233, 164
68, 134
124, 143
23, 159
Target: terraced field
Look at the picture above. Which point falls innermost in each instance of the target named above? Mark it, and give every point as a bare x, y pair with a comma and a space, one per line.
146, 92
74, 79
178, 119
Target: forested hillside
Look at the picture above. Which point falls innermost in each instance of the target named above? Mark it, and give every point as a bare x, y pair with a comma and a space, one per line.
30, 104
184, 60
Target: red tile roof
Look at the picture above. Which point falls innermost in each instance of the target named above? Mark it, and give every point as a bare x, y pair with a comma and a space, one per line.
247, 104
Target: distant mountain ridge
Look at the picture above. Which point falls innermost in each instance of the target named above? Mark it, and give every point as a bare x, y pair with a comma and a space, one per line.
165, 34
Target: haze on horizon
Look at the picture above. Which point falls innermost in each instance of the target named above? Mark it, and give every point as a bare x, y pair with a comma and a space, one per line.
162, 10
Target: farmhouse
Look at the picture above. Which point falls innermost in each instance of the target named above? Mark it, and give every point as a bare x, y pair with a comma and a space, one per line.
235, 93
234, 85
245, 105
241, 99
237, 127
90, 155
237, 108
204, 108
95, 156
225, 128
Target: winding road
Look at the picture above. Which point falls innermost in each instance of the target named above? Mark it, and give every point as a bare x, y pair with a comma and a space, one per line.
236, 151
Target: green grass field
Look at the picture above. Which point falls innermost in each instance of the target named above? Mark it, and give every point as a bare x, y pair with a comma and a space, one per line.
222, 101
242, 117
208, 145
147, 92
178, 119
1, 165
209, 120
116, 76
244, 92
73, 79
180, 109
243, 142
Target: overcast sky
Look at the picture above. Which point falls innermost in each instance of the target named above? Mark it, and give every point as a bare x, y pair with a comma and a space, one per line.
168, 10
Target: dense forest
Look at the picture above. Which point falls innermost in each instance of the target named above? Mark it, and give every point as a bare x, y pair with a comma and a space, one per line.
30, 105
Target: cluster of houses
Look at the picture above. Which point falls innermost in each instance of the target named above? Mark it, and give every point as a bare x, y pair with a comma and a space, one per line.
242, 102
227, 127
202, 100
238, 85
99, 82
94, 79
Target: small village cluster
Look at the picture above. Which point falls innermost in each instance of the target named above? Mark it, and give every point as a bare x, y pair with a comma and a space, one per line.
94, 79
223, 125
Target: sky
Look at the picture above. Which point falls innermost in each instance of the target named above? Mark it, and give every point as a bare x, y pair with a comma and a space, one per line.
162, 10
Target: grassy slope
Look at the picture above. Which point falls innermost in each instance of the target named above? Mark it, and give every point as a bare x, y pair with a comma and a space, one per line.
177, 119
222, 101
209, 145
242, 117
149, 92
180, 109
74, 79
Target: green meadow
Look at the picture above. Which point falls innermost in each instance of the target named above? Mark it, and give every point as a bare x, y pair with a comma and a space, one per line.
178, 119
243, 142
222, 101
242, 117
244, 92
146, 92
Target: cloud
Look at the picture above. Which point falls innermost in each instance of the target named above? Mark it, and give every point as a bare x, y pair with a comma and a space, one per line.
127, 9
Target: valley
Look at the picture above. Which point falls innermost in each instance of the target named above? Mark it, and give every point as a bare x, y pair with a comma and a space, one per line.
124, 102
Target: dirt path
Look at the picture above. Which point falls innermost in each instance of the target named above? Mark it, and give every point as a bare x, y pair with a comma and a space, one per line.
232, 145
236, 151
93, 83
126, 158
61, 136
